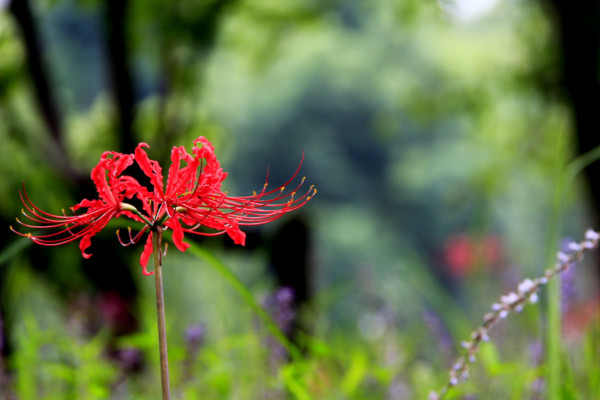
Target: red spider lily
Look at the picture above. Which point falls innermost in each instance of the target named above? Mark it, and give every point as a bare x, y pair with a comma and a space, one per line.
193, 197
112, 189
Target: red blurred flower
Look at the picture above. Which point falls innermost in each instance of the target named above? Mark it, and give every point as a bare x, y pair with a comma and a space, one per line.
112, 189
462, 253
577, 320
192, 201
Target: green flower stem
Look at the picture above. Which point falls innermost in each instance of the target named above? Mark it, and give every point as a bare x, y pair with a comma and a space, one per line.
160, 311
243, 291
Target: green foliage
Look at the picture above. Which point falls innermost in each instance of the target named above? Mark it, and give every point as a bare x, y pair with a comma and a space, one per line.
238, 361
52, 366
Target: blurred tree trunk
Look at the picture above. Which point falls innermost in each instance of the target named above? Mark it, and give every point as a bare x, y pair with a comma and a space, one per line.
50, 117
290, 259
114, 289
122, 83
43, 93
290, 265
46, 100
578, 30
199, 31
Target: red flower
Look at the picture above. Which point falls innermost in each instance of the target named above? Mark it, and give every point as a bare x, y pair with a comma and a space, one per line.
193, 200
112, 189
193, 197
463, 254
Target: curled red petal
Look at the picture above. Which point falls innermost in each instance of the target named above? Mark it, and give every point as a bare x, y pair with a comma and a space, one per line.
148, 248
177, 237
180, 179
106, 174
238, 236
119, 163
98, 175
151, 168
85, 242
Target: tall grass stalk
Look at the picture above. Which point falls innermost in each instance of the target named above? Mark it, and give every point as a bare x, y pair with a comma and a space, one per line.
564, 181
553, 329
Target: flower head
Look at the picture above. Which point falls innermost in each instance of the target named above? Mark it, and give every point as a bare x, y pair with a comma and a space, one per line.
193, 199
113, 188
192, 202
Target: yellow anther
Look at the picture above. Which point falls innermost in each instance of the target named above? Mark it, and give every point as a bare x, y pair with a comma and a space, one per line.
303, 178
18, 220
282, 188
307, 198
118, 230
28, 235
254, 193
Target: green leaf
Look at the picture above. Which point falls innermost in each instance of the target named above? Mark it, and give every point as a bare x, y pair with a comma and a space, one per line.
247, 296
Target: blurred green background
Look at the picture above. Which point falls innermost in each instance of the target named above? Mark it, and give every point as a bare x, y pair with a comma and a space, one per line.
437, 134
